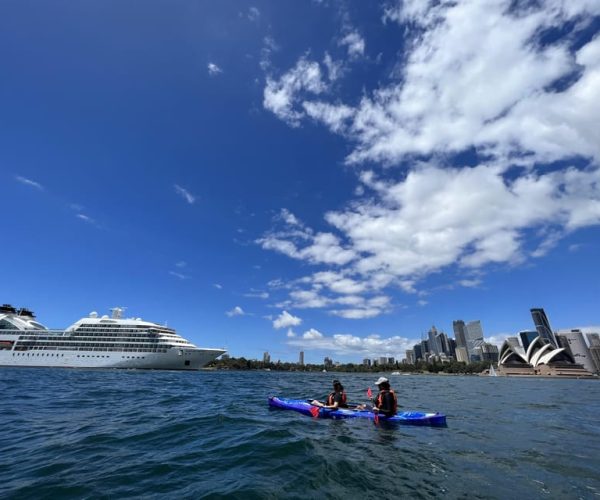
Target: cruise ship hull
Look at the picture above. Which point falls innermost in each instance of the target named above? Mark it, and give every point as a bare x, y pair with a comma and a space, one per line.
173, 359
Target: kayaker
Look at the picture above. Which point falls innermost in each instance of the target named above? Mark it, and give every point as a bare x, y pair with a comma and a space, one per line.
386, 402
336, 399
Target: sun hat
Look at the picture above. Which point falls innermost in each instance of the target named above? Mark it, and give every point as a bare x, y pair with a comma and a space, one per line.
381, 380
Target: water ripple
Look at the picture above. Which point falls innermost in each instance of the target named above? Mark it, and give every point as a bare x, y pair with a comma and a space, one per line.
126, 434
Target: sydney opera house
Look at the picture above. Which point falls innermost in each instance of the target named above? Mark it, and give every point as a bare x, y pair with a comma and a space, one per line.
541, 352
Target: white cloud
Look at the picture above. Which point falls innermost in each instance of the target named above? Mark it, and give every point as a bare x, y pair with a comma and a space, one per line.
312, 334
290, 333
181, 264
86, 218
472, 217
236, 311
185, 194
255, 294
323, 248
213, 69
472, 74
253, 14
269, 46
285, 320
335, 69
178, 275
29, 182
354, 43
498, 339
218, 286
281, 95
344, 344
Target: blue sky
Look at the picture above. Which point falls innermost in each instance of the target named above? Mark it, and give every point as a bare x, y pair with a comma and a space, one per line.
329, 176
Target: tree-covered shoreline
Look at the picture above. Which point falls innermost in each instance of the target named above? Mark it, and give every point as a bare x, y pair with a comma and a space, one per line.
453, 367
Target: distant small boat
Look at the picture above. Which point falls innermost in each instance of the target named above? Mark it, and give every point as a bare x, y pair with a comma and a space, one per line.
493, 371
324, 371
396, 373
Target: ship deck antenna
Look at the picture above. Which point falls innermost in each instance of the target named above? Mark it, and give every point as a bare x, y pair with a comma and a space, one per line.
117, 312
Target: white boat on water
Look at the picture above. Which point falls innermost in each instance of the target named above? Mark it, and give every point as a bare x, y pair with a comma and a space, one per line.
97, 342
493, 371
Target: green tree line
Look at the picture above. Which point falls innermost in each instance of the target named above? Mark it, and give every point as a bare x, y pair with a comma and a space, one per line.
242, 363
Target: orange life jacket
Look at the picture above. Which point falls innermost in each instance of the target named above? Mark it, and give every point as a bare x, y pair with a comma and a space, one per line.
379, 400
331, 399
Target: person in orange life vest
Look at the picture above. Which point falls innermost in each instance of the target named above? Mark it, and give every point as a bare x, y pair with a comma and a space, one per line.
336, 399
386, 402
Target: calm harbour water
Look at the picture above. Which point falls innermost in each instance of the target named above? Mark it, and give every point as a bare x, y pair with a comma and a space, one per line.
116, 434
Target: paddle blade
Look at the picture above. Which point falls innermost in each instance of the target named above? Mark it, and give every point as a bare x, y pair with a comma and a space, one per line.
376, 419
314, 411
369, 393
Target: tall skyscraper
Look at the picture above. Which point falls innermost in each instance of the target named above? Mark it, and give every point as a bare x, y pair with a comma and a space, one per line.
474, 337
301, 358
527, 337
417, 349
542, 325
442, 342
593, 339
410, 356
579, 349
266, 357
424, 348
460, 333
434, 348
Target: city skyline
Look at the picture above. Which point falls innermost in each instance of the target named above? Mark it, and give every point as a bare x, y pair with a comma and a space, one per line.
326, 177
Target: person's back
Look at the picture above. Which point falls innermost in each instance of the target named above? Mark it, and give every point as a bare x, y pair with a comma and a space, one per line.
336, 398
386, 402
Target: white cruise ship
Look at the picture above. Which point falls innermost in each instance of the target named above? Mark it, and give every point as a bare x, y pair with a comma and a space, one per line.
97, 342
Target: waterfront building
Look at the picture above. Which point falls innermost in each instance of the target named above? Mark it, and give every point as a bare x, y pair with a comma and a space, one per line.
424, 349
382, 360
577, 348
527, 337
462, 355
442, 343
328, 362
366, 362
514, 342
301, 358
452, 347
410, 356
417, 349
460, 333
434, 346
541, 358
474, 338
595, 354
391, 360
266, 358
542, 325
489, 352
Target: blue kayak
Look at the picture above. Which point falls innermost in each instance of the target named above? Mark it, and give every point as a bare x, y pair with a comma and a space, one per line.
404, 418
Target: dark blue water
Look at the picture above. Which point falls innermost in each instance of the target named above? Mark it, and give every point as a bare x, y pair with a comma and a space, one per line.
115, 434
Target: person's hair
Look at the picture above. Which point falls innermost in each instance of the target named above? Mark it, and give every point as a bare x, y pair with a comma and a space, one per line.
337, 383
385, 385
